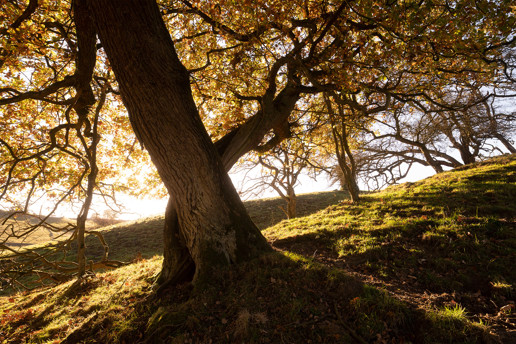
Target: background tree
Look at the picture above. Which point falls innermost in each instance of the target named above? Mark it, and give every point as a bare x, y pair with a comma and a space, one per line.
440, 136
280, 169
341, 123
55, 119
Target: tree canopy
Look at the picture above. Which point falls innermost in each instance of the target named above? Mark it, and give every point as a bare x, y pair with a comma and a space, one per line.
69, 72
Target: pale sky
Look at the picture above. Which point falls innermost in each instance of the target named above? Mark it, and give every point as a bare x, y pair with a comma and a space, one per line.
142, 208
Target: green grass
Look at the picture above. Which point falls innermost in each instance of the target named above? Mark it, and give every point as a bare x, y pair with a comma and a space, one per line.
455, 231
426, 262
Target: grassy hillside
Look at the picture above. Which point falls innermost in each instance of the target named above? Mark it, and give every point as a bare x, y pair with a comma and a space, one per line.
143, 238
21, 222
427, 262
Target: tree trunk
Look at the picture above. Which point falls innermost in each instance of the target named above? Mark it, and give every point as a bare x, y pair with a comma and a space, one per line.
85, 64
178, 265
353, 189
505, 142
343, 150
349, 171
466, 155
212, 221
291, 203
431, 161
349, 180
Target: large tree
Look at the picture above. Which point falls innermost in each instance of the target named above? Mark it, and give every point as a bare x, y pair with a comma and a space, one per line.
249, 64
155, 88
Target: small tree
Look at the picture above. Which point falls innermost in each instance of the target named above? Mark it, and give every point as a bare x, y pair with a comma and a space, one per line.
280, 169
342, 132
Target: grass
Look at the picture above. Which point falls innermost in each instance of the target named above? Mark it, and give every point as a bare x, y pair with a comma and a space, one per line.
435, 230
426, 262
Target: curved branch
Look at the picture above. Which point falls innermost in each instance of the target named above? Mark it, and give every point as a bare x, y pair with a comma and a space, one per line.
68, 81
217, 25
27, 13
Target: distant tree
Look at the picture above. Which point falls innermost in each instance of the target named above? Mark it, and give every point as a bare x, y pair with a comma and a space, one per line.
283, 169
344, 136
501, 125
280, 169
465, 123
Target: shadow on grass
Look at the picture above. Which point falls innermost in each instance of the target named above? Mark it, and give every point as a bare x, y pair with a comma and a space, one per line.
441, 254
274, 299
267, 212
144, 238
129, 241
451, 239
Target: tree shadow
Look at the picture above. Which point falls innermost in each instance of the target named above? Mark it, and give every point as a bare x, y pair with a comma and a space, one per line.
267, 212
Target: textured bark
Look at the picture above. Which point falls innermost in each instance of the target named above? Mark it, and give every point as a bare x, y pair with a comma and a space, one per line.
212, 221
178, 265
274, 114
84, 99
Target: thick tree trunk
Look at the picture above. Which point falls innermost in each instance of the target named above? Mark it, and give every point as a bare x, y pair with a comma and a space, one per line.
273, 114
466, 155
212, 221
178, 265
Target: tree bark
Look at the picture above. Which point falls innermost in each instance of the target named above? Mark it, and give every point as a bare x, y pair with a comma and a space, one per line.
212, 221
84, 99
505, 142
178, 265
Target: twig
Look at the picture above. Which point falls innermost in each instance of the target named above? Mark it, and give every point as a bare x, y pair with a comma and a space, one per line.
351, 332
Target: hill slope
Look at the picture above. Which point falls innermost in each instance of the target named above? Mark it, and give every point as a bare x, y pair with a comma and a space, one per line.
431, 261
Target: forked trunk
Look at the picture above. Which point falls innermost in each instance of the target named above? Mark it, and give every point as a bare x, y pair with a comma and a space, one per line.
466, 155
212, 221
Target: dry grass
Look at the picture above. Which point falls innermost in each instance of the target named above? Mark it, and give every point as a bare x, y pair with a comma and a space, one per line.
19, 224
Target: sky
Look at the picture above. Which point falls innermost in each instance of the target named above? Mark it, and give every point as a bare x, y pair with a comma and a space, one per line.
138, 208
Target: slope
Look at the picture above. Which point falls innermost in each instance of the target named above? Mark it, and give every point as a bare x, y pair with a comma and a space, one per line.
431, 262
